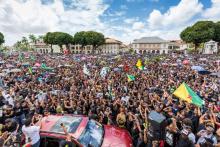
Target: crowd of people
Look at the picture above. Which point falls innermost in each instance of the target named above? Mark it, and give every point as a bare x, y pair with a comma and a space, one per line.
29, 92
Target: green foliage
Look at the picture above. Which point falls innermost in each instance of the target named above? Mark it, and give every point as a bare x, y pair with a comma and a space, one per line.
80, 38
200, 32
33, 38
58, 38
217, 32
89, 38
2, 40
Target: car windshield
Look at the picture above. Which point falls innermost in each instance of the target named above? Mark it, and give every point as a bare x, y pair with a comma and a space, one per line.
92, 135
71, 123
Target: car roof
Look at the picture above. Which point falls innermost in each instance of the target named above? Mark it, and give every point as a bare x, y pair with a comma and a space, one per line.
51, 124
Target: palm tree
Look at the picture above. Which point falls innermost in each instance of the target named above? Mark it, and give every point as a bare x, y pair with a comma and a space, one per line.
33, 38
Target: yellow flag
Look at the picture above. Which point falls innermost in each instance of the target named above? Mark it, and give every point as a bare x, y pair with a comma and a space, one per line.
139, 63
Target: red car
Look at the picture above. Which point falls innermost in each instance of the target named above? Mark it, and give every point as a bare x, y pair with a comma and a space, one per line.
84, 132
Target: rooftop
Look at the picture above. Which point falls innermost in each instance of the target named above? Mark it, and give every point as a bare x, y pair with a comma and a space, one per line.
150, 40
112, 41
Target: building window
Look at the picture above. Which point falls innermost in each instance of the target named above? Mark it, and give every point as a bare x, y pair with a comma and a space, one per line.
40, 50
158, 51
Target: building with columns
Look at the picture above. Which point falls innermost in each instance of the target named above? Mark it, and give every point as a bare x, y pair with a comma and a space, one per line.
210, 47
154, 45
111, 46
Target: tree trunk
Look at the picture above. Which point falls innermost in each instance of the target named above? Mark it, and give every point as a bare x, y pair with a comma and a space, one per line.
51, 46
61, 48
196, 48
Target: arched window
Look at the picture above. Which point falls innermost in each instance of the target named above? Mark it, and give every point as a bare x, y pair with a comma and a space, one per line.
144, 52
158, 51
40, 50
140, 51
153, 51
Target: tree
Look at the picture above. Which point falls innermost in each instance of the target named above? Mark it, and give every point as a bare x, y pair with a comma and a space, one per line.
62, 38
33, 38
2, 40
25, 44
49, 38
89, 38
80, 38
217, 32
200, 32
95, 39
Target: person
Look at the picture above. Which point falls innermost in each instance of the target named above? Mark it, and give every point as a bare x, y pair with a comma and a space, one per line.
68, 141
32, 132
184, 140
207, 135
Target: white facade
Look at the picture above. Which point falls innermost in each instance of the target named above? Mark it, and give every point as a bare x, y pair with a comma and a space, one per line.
43, 48
111, 46
154, 45
210, 47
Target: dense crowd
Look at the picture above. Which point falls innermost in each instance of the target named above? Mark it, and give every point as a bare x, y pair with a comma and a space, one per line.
64, 88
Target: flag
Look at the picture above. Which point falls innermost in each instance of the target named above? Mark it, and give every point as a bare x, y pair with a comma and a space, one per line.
32, 58
21, 56
139, 64
104, 71
85, 70
126, 68
185, 93
43, 65
30, 70
130, 78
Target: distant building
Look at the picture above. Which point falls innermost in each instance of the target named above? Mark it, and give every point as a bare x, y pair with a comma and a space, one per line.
210, 47
154, 45
41, 47
111, 46
178, 45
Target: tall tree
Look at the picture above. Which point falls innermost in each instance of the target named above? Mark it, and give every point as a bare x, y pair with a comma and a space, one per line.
217, 32
95, 39
62, 38
200, 32
49, 38
2, 40
80, 38
33, 38
89, 38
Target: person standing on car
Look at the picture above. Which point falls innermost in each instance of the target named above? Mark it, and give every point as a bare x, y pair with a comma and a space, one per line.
32, 132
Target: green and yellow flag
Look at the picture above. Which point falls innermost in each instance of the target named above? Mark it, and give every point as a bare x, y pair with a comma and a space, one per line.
139, 64
130, 78
184, 92
30, 70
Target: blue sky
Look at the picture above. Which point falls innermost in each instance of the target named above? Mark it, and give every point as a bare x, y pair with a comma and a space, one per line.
122, 19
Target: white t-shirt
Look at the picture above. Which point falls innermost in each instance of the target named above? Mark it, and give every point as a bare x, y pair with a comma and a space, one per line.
32, 132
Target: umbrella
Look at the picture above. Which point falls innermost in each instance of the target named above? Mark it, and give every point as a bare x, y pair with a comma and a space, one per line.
9, 66
186, 62
204, 72
116, 69
37, 64
15, 70
197, 68
217, 74
26, 64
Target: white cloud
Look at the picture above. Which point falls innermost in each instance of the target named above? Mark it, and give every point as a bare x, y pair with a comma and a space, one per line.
213, 13
131, 20
176, 15
19, 17
138, 26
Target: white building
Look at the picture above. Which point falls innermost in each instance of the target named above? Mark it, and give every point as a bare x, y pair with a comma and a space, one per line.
153, 45
43, 48
210, 47
111, 46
